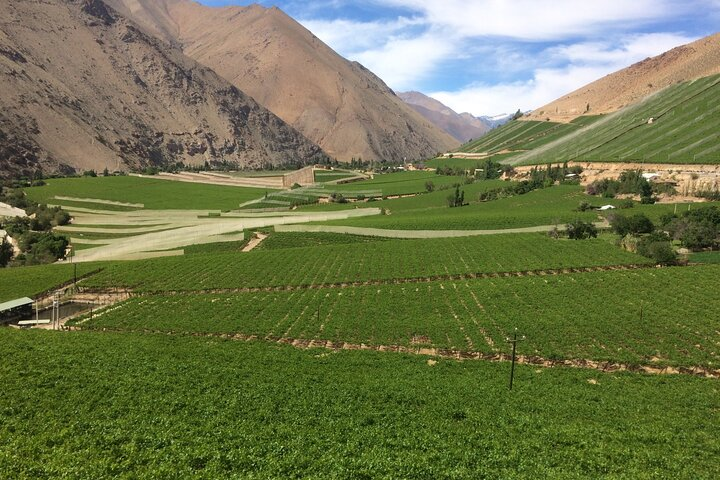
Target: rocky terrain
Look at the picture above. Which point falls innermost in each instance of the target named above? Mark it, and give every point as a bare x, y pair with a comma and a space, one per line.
86, 88
630, 85
462, 126
338, 104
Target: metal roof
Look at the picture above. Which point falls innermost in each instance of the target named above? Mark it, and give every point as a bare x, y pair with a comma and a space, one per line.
15, 303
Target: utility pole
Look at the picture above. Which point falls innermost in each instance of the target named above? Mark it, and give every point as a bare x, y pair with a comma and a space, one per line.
514, 342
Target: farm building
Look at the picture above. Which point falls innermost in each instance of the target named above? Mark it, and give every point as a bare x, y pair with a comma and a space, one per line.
16, 310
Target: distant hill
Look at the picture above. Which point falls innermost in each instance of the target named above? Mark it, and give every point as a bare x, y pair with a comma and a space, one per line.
630, 85
85, 88
338, 104
463, 127
640, 124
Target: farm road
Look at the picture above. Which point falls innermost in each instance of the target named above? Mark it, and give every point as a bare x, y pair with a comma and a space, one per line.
381, 232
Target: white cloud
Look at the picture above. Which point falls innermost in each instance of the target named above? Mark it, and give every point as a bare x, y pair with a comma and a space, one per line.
538, 19
497, 39
583, 63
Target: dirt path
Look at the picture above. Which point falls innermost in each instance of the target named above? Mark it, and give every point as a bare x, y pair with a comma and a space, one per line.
257, 239
602, 366
381, 232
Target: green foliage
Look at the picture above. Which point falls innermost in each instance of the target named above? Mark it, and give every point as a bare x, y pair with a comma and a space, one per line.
593, 315
457, 199
631, 225
579, 230
6, 252
429, 186
657, 246
363, 261
696, 229
29, 281
41, 247
103, 405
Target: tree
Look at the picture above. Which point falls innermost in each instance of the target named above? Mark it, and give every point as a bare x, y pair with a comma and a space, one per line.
457, 199
6, 252
106, 172
633, 225
429, 186
657, 246
579, 230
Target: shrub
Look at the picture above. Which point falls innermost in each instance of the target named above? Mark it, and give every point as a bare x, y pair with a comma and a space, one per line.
579, 230
632, 225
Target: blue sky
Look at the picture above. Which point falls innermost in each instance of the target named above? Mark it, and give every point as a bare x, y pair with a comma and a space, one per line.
494, 56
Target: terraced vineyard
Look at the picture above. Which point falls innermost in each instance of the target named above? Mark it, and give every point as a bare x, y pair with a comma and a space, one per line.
525, 135
363, 262
99, 405
683, 130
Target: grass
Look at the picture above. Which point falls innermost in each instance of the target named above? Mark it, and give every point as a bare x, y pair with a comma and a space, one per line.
363, 262
705, 257
102, 405
153, 193
685, 117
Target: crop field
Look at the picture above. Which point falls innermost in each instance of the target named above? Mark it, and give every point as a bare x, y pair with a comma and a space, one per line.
153, 194
333, 175
526, 135
30, 281
684, 130
706, 257
548, 206
283, 240
358, 262
644, 319
104, 405
400, 183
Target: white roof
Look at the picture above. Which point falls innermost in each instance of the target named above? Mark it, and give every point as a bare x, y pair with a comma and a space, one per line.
648, 176
607, 207
15, 303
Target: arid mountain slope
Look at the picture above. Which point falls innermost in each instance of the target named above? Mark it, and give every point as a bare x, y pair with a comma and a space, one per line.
625, 87
338, 104
85, 88
463, 127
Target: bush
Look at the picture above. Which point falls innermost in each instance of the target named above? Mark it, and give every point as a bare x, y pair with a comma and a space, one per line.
429, 186
579, 230
625, 204
632, 225
657, 246
457, 199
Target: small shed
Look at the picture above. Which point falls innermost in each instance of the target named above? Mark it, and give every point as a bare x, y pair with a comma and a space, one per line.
16, 310
607, 207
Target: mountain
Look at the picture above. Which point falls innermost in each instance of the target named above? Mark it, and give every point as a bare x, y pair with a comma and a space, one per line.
86, 88
496, 120
630, 85
463, 127
338, 104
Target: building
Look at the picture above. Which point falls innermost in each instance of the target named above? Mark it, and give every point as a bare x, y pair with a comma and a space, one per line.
14, 310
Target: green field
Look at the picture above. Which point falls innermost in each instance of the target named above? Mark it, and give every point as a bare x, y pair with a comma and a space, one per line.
705, 257
548, 206
153, 193
635, 321
19, 282
684, 130
102, 405
521, 135
357, 262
